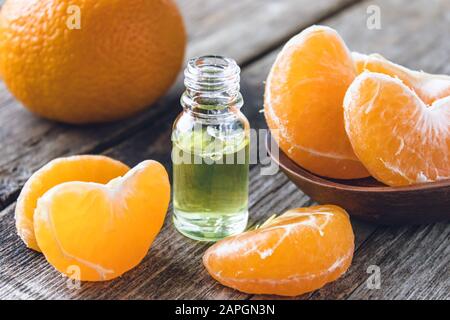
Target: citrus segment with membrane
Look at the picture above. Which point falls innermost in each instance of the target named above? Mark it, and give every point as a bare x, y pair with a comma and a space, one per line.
89, 168
102, 230
303, 103
400, 139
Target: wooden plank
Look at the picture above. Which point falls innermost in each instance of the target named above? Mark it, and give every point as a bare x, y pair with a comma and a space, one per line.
414, 263
215, 26
253, 87
158, 276
413, 260
175, 260
49, 138
275, 19
265, 199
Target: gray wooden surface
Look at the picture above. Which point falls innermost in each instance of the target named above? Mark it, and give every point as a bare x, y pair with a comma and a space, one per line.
414, 261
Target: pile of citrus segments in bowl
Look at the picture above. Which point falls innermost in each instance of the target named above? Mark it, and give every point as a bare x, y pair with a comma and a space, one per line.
338, 114
348, 115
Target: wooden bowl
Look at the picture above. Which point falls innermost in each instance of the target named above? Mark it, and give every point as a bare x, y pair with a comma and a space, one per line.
369, 199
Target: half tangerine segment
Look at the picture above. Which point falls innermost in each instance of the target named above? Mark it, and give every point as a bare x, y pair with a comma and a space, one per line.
400, 139
96, 232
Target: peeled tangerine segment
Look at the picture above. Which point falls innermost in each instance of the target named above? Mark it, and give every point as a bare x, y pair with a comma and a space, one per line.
428, 87
400, 139
89, 168
303, 103
96, 232
297, 252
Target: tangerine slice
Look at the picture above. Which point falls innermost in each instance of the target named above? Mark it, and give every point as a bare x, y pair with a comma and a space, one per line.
399, 139
429, 87
303, 103
96, 232
89, 168
297, 252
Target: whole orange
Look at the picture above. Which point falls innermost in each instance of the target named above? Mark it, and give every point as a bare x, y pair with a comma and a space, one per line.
83, 61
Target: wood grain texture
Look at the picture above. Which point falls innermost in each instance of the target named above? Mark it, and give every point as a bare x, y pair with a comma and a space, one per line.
413, 33
254, 75
214, 26
370, 200
414, 261
23, 151
174, 260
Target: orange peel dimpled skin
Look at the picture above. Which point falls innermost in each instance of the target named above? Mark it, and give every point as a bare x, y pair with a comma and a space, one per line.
303, 103
297, 252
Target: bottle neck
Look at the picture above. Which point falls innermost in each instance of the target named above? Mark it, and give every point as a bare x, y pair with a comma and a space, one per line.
212, 87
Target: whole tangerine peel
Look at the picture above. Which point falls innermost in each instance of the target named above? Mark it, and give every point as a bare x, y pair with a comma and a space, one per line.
88, 168
428, 87
303, 103
400, 139
102, 230
297, 252
122, 57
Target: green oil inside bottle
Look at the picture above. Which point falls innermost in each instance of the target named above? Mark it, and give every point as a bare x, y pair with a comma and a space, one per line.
210, 172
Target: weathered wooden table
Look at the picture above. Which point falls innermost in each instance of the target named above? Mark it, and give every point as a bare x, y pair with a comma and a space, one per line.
414, 261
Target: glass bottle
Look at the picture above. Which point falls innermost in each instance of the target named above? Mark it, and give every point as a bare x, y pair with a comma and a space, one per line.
210, 152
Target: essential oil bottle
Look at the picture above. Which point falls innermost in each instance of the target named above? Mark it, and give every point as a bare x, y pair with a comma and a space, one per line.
211, 152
